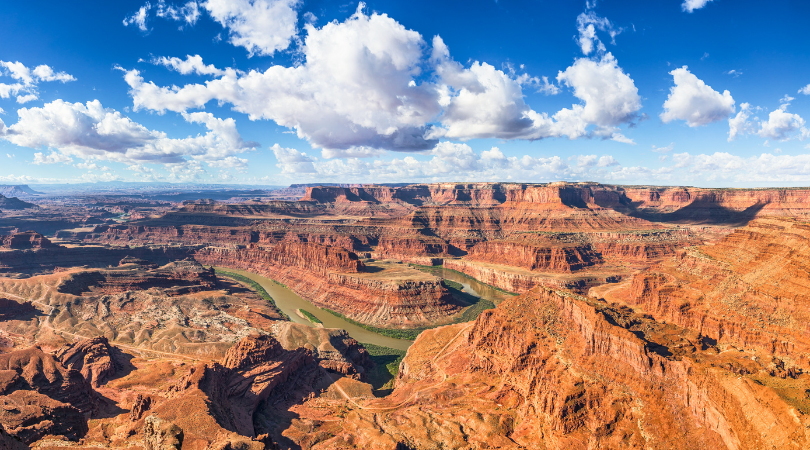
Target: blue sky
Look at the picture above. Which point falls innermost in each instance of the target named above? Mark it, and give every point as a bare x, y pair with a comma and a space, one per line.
695, 92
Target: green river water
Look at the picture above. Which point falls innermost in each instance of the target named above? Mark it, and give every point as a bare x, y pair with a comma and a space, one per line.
288, 302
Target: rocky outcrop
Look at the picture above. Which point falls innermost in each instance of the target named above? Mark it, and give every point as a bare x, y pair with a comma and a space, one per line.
333, 348
215, 404
175, 278
510, 279
39, 396
204, 321
14, 203
139, 408
550, 258
159, 434
93, 358
578, 374
750, 289
334, 280
28, 239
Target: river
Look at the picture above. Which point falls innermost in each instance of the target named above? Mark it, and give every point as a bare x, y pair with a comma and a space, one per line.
288, 302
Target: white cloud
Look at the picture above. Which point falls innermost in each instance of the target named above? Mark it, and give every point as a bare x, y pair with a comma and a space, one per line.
782, 125
618, 137
734, 73
26, 98
139, 17
587, 25
356, 92
188, 13
607, 161
192, 64
18, 71
45, 73
666, 149
739, 124
291, 161
765, 167
51, 158
89, 131
691, 5
610, 95
694, 102
448, 159
261, 26
786, 99
805, 90
355, 88
27, 80
230, 162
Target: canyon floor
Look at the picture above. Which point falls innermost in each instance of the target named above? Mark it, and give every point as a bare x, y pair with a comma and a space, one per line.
426, 316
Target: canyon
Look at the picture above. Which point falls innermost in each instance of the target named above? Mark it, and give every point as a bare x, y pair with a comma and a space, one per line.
626, 317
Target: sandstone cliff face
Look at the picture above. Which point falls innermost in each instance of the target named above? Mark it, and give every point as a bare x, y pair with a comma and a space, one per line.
719, 205
337, 283
39, 396
507, 278
749, 289
28, 239
554, 370
557, 258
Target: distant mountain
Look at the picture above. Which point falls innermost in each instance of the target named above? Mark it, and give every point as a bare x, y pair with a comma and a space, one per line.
14, 203
17, 190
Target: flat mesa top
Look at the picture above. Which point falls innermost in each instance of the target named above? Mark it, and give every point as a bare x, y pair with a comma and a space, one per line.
393, 270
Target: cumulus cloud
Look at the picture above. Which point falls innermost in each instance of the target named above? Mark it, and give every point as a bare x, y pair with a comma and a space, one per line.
694, 102
735, 73
90, 131
51, 158
25, 88
356, 88
260, 26
780, 125
805, 90
45, 73
610, 95
192, 64
291, 161
357, 91
691, 5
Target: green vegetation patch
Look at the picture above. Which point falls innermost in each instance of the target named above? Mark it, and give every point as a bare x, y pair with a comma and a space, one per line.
396, 333
310, 317
437, 271
254, 286
386, 366
452, 284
